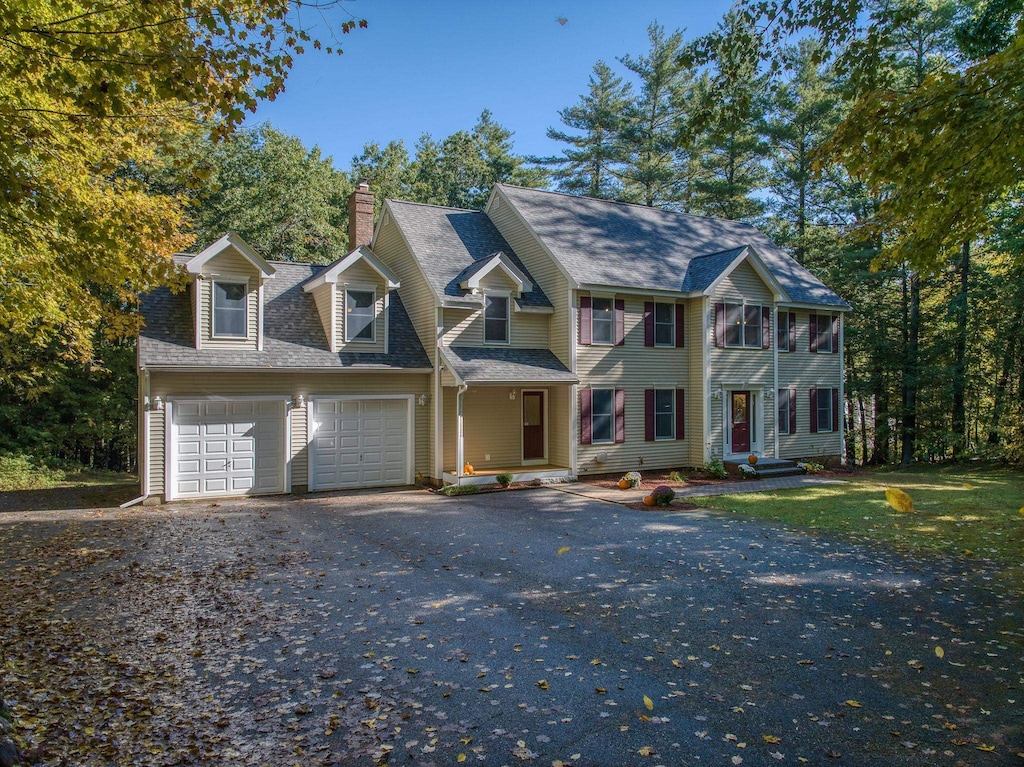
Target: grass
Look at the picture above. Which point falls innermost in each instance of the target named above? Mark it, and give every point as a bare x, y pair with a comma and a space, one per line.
959, 510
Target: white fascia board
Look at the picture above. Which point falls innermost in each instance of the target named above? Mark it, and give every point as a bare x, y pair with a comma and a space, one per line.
607, 291
196, 263
498, 261
266, 369
815, 307
750, 255
332, 272
534, 309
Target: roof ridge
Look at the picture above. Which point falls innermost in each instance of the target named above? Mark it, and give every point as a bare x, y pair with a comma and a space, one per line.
432, 205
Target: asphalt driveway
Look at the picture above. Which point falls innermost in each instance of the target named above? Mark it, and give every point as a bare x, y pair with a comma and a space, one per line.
407, 628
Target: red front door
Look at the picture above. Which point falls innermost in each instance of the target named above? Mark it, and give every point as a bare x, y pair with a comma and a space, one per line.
533, 425
740, 421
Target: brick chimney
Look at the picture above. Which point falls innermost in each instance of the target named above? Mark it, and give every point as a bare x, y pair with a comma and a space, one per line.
360, 216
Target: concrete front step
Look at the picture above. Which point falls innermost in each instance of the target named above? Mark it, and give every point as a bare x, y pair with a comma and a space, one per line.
771, 467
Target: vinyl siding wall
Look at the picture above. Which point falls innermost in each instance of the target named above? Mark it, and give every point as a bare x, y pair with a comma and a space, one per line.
635, 368
322, 299
698, 407
285, 385
751, 369
803, 370
360, 276
466, 328
229, 266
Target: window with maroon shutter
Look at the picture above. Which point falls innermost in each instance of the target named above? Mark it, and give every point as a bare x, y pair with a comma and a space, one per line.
835, 410
663, 414
665, 324
602, 321
586, 432
680, 326
586, 332
680, 413
835, 334
792, 331
648, 323
620, 415
620, 322
719, 325
766, 328
814, 409
603, 415
824, 403
783, 405
782, 331
812, 341
821, 333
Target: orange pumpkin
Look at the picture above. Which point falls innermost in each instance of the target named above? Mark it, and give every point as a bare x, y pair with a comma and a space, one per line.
468, 469
752, 459
623, 484
648, 500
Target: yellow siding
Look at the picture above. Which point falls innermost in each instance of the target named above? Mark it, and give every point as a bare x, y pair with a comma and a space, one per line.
229, 265
697, 402
450, 422
635, 368
157, 443
466, 328
287, 384
322, 299
360, 276
560, 425
545, 272
743, 282
803, 370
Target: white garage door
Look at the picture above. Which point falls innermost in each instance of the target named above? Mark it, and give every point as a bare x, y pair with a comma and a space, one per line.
227, 447
359, 443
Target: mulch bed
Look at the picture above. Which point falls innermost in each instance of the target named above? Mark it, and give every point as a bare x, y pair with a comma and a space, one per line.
675, 506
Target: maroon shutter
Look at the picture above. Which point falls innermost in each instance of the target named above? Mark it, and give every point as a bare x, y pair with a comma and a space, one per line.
719, 324
813, 324
792, 331
680, 326
585, 424
766, 328
792, 411
814, 409
835, 334
620, 321
620, 415
835, 410
680, 413
586, 320
648, 323
649, 415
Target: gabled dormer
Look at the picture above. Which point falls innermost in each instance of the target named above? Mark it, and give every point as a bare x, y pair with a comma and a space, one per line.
352, 297
227, 294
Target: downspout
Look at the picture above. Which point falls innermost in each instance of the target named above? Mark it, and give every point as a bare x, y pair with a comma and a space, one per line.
460, 453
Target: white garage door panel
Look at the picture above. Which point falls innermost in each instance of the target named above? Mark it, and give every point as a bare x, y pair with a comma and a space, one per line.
359, 443
227, 447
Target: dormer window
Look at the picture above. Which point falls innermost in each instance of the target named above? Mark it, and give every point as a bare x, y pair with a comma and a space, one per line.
230, 309
360, 313
496, 319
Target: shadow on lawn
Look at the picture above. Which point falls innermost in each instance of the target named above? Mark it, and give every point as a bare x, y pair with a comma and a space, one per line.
70, 496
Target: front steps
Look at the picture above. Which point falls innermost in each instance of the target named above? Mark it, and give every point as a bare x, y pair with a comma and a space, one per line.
770, 467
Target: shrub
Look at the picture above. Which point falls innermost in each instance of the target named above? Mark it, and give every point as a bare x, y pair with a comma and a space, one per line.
676, 476
459, 490
19, 472
747, 471
715, 468
632, 477
504, 479
663, 495
810, 467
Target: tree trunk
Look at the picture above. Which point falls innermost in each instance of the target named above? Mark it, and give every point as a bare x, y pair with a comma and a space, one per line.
863, 432
960, 313
912, 333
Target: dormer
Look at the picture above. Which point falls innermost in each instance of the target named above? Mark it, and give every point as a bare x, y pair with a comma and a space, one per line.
352, 297
227, 293
496, 273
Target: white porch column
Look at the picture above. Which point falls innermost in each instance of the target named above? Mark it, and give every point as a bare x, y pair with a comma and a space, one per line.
460, 455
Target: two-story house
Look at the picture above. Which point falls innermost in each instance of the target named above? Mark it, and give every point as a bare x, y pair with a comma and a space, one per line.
548, 336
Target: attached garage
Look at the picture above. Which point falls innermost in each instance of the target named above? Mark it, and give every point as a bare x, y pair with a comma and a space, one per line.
360, 442
221, 447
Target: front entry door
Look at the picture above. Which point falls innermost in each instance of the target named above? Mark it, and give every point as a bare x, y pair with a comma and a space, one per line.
740, 421
533, 425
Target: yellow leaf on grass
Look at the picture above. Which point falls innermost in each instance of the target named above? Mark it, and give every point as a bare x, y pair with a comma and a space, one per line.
649, 703
986, 747
460, 758
968, 486
563, 550
939, 652
1021, 511
853, 703
899, 500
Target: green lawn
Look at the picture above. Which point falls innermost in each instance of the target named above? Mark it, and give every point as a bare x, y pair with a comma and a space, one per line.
961, 510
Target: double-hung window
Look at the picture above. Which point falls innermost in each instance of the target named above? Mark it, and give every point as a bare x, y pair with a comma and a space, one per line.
824, 333
664, 324
664, 413
360, 313
230, 309
743, 325
603, 320
602, 415
784, 330
496, 319
824, 414
785, 407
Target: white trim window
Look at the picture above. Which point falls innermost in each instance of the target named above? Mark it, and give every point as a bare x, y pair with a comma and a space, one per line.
602, 312
824, 409
783, 330
602, 416
360, 315
784, 409
230, 309
496, 318
824, 329
664, 414
743, 326
664, 324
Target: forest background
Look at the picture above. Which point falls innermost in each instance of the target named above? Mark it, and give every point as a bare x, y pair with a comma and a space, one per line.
881, 144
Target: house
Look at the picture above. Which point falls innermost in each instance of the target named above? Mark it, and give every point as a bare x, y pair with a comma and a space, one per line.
548, 336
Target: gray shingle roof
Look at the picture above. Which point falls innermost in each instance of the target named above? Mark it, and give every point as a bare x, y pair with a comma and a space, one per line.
293, 336
601, 242
445, 241
704, 270
491, 365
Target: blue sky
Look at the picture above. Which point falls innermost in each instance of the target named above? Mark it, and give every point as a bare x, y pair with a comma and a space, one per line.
433, 66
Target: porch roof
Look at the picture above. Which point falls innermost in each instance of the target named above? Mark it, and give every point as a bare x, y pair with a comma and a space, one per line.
505, 365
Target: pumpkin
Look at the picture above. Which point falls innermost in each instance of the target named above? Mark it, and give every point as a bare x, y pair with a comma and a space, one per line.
648, 500
468, 469
752, 459
623, 484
